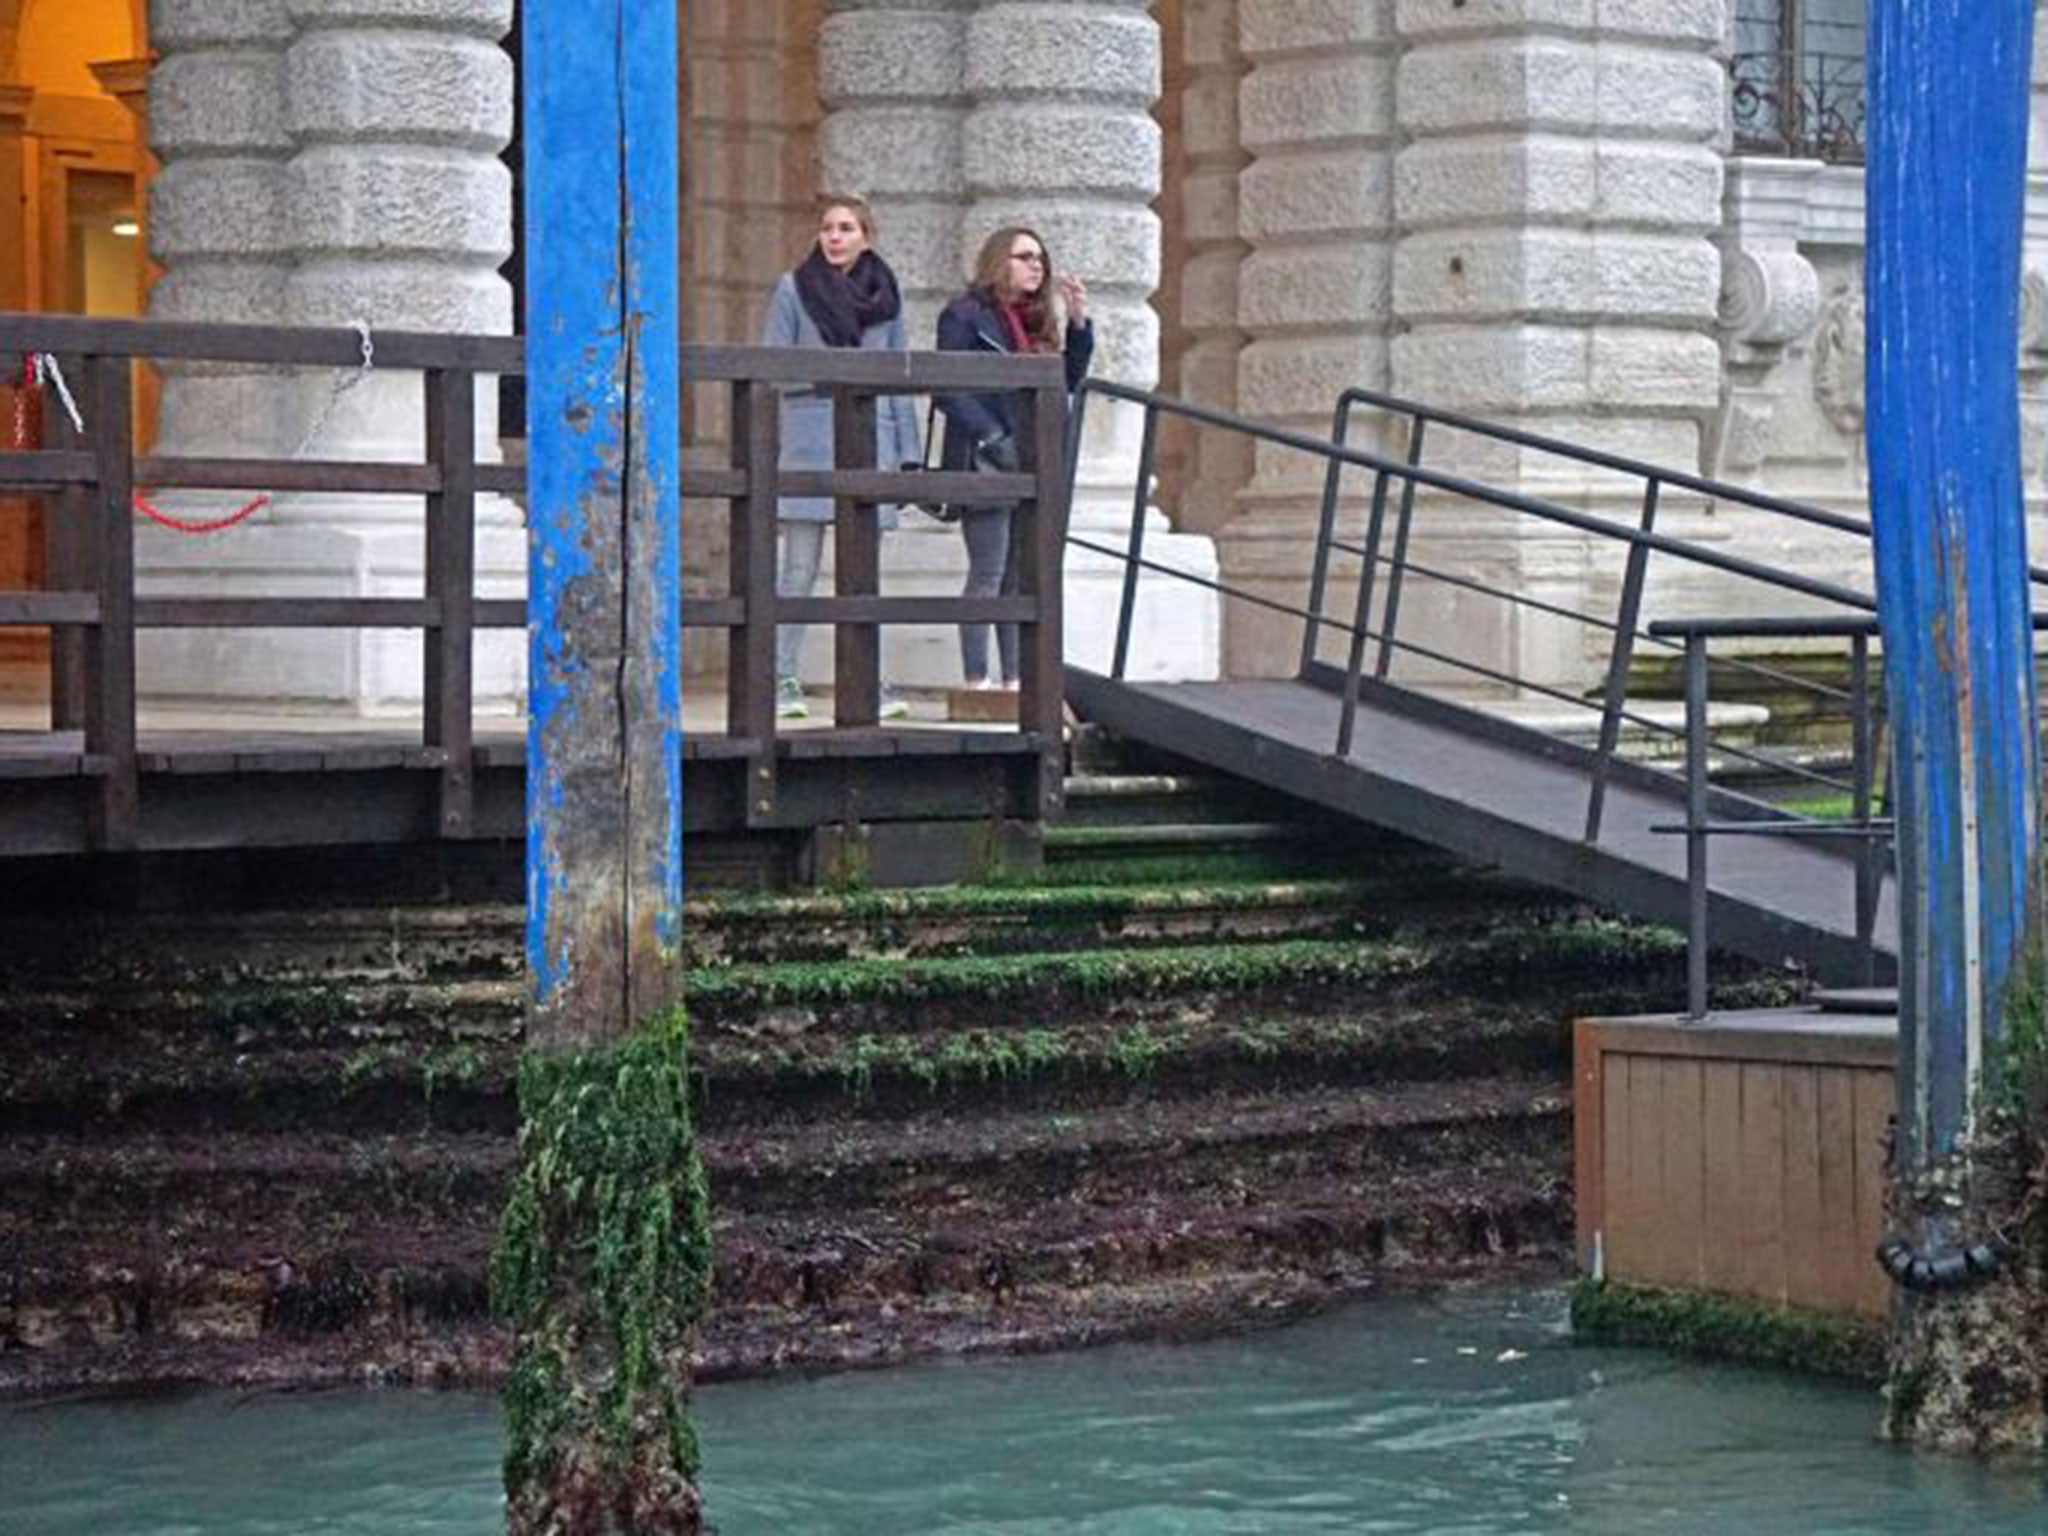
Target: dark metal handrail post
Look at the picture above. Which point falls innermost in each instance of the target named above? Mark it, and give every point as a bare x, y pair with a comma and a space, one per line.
1127, 609
1326, 529
1361, 618
1695, 826
1868, 867
750, 647
1402, 524
1625, 622
447, 650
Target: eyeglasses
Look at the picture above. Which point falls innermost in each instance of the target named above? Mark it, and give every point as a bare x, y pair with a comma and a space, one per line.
1031, 258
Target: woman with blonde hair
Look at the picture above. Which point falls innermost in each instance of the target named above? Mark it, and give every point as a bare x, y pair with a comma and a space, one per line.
841, 295
1016, 304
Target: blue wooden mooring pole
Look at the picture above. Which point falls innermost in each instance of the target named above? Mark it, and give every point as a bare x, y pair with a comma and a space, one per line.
1947, 144
604, 841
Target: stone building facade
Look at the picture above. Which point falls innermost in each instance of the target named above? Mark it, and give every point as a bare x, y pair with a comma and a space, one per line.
1631, 223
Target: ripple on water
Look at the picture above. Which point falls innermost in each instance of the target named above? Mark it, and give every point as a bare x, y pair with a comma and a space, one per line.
1463, 1415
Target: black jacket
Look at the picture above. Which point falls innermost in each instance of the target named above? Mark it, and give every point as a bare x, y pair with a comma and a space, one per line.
971, 324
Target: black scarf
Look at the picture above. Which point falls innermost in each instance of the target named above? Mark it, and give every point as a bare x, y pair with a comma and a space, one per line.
843, 304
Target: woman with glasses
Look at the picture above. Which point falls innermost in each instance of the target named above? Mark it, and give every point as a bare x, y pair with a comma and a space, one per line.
1015, 304
841, 295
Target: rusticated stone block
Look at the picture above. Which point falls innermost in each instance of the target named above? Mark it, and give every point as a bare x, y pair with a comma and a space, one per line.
1028, 49
1318, 99
219, 207
1674, 186
1419, 19
1331, 192
1661, 94
177, 25
1652, 370
1704, 22
1208, 290
1494, 367
400, 295
891, 55
481, 18
1316, 285
1459, 181
879, 151
1301, 376
218, 101
419, 87
391, 201
1055, 146
1502, 82
1209, 205
1301, 26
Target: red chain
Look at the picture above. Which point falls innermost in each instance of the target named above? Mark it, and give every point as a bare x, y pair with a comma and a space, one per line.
247, 509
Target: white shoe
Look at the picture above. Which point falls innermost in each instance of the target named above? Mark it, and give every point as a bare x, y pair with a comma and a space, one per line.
893, 706
982, 685
790, 703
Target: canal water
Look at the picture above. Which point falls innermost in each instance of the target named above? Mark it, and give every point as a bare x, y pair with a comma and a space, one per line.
1454, 1415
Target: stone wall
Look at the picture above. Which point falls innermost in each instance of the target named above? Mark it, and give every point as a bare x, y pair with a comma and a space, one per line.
749, 158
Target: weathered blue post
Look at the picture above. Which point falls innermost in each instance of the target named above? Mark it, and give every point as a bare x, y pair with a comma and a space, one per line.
1947, 160
603, 1259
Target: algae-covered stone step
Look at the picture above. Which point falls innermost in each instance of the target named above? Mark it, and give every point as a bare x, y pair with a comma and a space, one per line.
1180, 798
1563, 958
268, 948
395, 1083
958, 921
1305, 1224
1221, 1147
270, 1192
1039, 1319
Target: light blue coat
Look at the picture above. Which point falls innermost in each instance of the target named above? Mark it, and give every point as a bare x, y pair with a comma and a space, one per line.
807, 419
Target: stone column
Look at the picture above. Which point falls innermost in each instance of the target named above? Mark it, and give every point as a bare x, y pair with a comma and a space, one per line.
1559, 185
1061, 138
397, 213
218, 222
1315, 206
891, 78
1216, 464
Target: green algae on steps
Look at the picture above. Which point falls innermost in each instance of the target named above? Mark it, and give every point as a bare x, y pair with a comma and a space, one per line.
1503, 953
1730, 1327
603, 1269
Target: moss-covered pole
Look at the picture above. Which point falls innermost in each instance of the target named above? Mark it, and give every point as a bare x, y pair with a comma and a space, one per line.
1947, 141
602, 1262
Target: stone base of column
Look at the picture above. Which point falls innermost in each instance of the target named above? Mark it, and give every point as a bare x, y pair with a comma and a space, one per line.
325, 673
1175, 636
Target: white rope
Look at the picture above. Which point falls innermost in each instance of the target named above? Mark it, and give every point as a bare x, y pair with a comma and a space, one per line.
47, 371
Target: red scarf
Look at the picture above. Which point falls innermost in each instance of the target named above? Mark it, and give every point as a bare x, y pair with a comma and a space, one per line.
1013, 322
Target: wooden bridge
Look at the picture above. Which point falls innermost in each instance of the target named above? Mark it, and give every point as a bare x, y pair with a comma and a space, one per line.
99, 777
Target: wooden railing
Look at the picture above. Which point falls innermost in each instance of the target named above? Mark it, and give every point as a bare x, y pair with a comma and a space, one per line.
88, 480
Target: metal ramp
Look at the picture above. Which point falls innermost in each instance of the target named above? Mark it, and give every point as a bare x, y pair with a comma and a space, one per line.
1349, 733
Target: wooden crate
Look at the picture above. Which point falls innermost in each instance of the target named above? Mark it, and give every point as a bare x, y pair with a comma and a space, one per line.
1743, 1155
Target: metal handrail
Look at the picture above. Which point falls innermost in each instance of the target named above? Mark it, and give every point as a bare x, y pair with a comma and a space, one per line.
1626, 627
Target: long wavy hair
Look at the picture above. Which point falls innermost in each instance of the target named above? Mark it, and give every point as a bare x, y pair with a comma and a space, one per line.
1039, 311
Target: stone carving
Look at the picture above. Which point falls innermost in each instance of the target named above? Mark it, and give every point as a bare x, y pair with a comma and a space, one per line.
1838, 360
1769, 298
2034, 316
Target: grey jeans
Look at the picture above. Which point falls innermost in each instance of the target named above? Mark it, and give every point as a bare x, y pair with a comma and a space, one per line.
990, 573
803, 550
